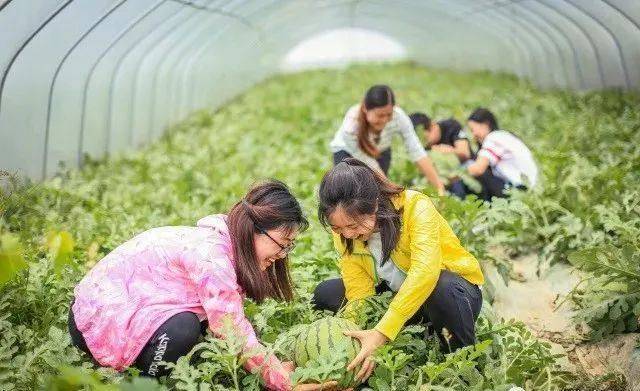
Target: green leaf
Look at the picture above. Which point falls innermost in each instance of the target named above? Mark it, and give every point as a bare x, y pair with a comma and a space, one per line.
11, 258
60, 247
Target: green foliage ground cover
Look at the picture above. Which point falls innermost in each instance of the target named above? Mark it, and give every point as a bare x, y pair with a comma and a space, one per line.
587, 213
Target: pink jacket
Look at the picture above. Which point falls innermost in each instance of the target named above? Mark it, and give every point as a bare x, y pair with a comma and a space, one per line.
125, 298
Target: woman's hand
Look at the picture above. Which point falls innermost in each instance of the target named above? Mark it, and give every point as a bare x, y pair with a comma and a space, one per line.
370, 340
429, 171
289, 366
444, 148
478, 167
328, 386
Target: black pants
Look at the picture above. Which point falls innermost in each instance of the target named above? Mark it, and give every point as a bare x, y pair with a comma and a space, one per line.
458, 189
173, 339
492, 186
454, 304
384, 160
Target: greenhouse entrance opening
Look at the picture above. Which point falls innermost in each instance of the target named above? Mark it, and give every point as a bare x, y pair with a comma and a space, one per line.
343, 46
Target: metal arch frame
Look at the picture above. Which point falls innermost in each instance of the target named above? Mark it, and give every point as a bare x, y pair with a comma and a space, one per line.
394, 22
413, 45
55, 77
282, 17
285, 45
587, 35
188, 76
196, 58
93, 68
570, 20
634, 23
390, 29
531, 63
116, 72
197, 61
579, 72
516, 44
189, 49
491, 32
194, 50
613, 37
304, 33
515, 15
25, 43
595, 31
520, 22
543, 27
513, 32
172, 57
543, 47
623, 13
136, 79
233, 16
6, 3
512, 27
218, 11
308, 32
519, 44
490, 4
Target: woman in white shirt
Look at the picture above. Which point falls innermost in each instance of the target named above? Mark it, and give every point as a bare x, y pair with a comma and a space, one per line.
367, 132
503, 160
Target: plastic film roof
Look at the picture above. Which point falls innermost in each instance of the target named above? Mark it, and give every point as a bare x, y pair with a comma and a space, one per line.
96, 77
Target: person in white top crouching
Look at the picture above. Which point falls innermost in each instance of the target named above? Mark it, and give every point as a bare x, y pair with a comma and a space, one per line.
503, 160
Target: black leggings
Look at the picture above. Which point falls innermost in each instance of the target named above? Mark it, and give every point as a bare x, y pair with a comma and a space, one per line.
384, 160
173, 339
492, 186
454, 304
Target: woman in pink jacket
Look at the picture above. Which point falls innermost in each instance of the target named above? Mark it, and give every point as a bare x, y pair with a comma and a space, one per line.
151, 298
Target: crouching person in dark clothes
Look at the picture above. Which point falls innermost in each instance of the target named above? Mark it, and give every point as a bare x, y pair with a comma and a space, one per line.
446, 136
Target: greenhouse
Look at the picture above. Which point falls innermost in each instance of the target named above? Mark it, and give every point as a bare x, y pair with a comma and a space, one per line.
320, 195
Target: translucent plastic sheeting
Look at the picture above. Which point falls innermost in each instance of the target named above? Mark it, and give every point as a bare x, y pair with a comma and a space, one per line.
98, 77
340, 47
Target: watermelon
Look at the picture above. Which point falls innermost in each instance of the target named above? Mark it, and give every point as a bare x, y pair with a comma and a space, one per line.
322, 339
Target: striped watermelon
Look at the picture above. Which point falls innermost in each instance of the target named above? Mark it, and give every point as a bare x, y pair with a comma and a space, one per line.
322, 338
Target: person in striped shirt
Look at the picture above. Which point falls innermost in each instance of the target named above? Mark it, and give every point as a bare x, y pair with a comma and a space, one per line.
503, 160
367, 132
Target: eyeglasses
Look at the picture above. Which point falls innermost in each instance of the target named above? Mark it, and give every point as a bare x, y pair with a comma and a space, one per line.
285, 249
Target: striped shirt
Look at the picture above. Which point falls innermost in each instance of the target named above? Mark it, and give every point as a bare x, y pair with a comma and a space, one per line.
509, 158
346, 138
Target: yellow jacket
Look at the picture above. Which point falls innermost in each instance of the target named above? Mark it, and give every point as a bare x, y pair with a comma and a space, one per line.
426, 246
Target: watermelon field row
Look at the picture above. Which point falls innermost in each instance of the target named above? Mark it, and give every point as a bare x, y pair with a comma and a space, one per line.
586, 214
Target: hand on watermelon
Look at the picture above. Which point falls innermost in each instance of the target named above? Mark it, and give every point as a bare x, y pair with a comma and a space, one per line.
444, 148
370, 340
328, 386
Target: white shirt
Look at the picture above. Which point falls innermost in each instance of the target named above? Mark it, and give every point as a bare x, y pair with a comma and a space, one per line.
509, 158
346, 138
389, 272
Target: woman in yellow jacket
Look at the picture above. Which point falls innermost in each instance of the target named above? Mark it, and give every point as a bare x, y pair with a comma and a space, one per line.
395, 239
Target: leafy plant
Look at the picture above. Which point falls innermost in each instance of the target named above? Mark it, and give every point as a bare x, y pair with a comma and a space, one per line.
585, 144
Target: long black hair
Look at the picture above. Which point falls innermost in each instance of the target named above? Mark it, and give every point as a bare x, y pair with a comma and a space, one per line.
379, 95
267, 205
358, 190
